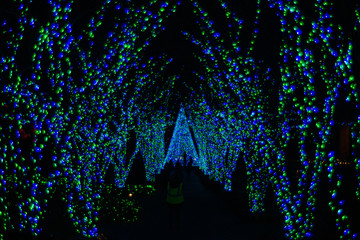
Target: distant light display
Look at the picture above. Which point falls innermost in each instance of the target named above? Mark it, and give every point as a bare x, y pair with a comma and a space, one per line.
181, 143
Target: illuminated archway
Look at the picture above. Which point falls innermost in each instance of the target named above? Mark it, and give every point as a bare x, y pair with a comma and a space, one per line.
181, 142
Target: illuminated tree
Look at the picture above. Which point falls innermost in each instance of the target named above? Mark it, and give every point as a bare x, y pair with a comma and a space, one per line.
237, 81
75, 98
316, 71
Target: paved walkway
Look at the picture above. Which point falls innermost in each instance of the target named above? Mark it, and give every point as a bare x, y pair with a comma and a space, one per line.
205, 215
208, 213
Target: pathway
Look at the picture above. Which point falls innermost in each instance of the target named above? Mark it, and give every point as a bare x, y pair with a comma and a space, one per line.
205, 215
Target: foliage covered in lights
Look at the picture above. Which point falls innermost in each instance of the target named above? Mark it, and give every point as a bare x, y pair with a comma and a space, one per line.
316, 74
152, 143
123, 205
69, 98
232, 128
73, 90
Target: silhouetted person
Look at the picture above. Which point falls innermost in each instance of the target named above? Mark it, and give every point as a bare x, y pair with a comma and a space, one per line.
165, 176
174, 197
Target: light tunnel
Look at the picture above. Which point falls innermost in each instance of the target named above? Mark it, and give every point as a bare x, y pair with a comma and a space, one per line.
90, 85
